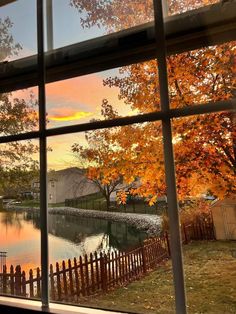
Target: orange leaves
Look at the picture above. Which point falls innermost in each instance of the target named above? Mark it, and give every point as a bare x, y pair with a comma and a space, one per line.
152, 200
121, 197
204, 145
195, 209
205, 157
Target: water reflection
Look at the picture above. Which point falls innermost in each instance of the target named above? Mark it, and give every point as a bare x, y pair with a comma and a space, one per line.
11, 219
76, 230
69, 236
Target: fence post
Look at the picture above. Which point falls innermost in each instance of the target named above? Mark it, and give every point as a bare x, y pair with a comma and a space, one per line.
4, 279
116, 267
38, 282
82, 275
64, 280
103, 272
12, 279
86, 274
129, 267
71, 279
58, 282
52, 283
109, 269
18, 280
92, 272
23, 284
167, 243
76, 278
31, 283
113, 268
144, 259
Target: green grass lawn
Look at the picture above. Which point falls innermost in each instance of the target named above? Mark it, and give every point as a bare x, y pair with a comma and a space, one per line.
210, 273
34, 203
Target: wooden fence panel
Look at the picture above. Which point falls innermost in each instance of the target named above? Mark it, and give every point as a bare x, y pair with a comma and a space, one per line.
52, 283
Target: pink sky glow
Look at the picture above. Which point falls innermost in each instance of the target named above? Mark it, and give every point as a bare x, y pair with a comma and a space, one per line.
72, 101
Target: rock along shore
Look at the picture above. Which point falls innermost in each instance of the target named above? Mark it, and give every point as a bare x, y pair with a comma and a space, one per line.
151, 224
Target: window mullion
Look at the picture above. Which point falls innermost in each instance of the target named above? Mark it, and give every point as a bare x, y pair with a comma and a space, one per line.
43, 156
173, 211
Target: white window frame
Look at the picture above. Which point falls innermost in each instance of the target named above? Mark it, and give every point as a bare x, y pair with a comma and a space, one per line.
161, 38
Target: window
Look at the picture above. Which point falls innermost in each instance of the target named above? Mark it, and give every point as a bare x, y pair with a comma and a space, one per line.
36, 184
103, 109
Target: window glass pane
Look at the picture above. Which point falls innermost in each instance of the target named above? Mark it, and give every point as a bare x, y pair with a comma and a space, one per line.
19, 111
120, 92
106, 193
202, 76
19, 219
76, 21
18, 32
205, 167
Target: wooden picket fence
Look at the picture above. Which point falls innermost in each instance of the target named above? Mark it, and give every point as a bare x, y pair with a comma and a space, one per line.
88, 275
99, 273
200, 229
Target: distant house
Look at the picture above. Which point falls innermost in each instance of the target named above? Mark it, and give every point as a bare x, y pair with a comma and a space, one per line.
64, 184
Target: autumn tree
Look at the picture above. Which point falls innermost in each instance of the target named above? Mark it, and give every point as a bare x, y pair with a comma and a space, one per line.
17, 115
205, 145
102, 158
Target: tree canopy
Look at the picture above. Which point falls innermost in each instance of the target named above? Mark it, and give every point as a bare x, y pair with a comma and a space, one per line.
204, 145
17, 115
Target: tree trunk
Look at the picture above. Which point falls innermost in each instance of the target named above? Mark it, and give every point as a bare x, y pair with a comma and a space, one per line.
108, 202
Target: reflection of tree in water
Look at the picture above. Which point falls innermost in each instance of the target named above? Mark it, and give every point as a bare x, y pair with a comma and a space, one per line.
76, 229
123, 237
12, 219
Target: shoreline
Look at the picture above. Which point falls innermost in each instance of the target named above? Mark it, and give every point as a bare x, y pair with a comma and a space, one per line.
151, 224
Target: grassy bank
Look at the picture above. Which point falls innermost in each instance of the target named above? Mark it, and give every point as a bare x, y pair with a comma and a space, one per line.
210, 272
34, 203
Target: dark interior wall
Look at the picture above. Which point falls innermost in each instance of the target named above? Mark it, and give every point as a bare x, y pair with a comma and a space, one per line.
5, 309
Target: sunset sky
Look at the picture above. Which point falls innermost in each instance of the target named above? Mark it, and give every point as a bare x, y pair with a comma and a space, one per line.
71, 101
74, 101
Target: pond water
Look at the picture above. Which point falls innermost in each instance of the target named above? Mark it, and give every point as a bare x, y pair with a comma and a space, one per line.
69, 237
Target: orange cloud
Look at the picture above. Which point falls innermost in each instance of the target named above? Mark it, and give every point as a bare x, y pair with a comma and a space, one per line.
80, 93
70, 117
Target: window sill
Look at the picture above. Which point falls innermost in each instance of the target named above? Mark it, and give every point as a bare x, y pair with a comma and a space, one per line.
14, 305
